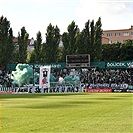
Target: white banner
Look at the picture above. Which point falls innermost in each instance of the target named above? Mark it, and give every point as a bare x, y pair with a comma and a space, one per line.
44, 81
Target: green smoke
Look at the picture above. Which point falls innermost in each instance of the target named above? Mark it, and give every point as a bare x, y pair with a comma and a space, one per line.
22, 75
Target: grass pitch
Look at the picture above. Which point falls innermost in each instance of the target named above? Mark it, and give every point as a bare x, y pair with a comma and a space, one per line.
66, 112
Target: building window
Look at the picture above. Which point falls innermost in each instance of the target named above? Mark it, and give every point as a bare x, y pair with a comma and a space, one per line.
117, 34
110, 42
116, 41
109, 34
132, 33
125, 34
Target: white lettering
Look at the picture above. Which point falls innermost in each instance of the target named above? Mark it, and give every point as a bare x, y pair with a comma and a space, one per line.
130, 64
116, 64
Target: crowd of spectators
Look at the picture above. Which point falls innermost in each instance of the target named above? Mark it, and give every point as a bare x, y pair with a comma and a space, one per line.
5, 79
94, 76
86, 76
118, 76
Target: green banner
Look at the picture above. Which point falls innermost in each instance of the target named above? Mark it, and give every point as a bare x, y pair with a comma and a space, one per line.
121, 64
58, 66
62, 65
100, 65
54, 66
10, 67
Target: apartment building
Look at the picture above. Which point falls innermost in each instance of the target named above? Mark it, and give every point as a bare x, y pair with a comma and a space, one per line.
114, 36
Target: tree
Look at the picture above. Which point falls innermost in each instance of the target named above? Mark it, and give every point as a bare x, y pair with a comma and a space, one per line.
65, 49
126, 50
43, 53
111, 52
32, 57
10, 47
52, 43
37, 47
92, 54
6, 42
60, 54
22, 42
80, 43
72, 34
69, 39
83, 40
87, 43
98, 40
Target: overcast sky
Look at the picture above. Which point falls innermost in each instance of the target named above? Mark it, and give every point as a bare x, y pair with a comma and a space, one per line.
35, 15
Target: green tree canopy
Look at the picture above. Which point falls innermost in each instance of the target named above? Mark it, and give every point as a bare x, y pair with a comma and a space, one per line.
52, 43
6, 42
37, 47
22, 42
